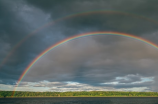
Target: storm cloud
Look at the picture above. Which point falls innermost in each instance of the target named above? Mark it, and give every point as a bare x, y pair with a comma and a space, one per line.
90, 61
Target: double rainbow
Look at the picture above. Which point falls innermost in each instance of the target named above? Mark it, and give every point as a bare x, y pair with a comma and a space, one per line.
69, 17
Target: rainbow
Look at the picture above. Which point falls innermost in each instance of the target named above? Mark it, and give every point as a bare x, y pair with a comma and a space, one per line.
79, 36
18, 44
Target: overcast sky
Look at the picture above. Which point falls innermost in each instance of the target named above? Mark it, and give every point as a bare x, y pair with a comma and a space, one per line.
100, 62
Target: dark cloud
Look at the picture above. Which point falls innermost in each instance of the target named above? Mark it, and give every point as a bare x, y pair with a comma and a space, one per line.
14, 26
129, 22
91, 60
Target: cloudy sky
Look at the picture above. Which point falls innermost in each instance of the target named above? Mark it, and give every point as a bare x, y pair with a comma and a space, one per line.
100, 62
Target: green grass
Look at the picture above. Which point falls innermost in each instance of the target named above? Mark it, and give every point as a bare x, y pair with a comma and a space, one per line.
78, 94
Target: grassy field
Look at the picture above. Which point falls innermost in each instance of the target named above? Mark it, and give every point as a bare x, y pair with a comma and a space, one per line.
77, 94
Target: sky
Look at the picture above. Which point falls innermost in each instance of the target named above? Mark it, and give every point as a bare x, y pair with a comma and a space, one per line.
99, 62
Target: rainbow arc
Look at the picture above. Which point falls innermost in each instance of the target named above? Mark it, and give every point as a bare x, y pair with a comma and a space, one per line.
80, 36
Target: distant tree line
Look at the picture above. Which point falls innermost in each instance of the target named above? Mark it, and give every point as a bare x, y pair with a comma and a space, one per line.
78, 94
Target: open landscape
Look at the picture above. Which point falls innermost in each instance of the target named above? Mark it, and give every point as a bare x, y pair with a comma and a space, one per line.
78, 51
